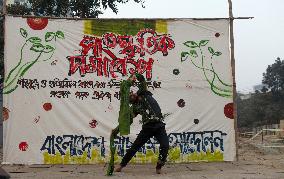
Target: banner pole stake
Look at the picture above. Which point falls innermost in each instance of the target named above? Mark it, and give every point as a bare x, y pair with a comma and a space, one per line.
232, 41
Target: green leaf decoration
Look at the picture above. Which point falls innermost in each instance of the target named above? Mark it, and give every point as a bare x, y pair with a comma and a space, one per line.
23, 32
35, 40
193, 53
203, 42
217, 53
48, 49
184, 56
49, 36
37, 47
211, 50
60, 34
191, 44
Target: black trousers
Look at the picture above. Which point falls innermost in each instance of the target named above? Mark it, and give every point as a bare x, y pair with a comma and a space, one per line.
149, 130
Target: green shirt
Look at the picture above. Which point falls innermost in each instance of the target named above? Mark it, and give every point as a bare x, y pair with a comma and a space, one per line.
124, 111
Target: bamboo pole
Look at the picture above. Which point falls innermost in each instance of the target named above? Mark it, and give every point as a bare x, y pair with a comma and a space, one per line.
3, 16
4, 7
232, 41
4, 13
88, 18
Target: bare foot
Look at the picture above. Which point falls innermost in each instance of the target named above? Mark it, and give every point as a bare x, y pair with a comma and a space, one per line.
118, 169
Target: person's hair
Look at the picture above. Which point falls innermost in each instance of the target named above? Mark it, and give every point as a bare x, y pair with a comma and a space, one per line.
133, 98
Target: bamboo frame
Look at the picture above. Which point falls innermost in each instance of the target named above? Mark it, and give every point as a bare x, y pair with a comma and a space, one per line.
232, 43
75, 18
262, 138
4, 13
4, 7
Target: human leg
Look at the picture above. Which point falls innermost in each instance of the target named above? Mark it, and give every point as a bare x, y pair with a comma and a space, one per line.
162, 137
141, 139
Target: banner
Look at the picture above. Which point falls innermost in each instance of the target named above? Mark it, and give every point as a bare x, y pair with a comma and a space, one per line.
62, 79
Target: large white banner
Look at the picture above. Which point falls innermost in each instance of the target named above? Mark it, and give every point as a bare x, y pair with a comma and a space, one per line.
61, 91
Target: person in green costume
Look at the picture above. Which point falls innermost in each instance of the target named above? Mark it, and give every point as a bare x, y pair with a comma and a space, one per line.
125, 119
144, 104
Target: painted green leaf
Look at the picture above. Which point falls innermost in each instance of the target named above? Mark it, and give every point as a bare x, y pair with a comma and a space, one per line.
48, 49
37, 47
191, 44
60, 34
184, 56
35, 40
193, 53
23, 32
217, 53
203, 42
211, 50
49, 36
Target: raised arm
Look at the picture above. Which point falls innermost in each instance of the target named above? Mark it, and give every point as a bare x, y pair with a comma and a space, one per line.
142, 84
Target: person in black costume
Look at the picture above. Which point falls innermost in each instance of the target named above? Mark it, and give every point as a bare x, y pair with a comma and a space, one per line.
144, 104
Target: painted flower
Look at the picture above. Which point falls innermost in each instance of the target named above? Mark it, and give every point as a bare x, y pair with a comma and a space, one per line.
181, 103
176, 71
37, 23
196, 121
229, 110
93, 123
23, 146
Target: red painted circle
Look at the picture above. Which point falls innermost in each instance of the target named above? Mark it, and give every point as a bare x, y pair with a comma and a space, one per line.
37, 23
229, 110
23, 146
47, 106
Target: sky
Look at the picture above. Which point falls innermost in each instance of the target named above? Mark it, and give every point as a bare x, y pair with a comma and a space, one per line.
258, 42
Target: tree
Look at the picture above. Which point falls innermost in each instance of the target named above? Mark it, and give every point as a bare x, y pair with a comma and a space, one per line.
260, 109
266, 107
264, 89
67, 8
18, 9
274, 76
50, 7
